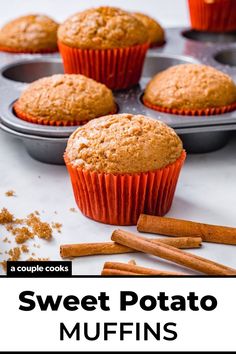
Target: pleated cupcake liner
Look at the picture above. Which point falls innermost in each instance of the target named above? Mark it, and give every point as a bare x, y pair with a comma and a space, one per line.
52, 122
28, 51
120, 199
191, 112
117, 68
216, 16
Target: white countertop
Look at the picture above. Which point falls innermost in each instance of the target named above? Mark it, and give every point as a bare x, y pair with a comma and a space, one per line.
206, 191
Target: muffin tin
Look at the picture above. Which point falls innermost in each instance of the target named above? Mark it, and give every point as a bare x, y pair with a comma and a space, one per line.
199, 134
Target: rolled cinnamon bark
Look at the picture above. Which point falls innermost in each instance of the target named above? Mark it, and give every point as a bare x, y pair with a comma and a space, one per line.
131, 268
117, 272
171, 254
89, 249
177, 227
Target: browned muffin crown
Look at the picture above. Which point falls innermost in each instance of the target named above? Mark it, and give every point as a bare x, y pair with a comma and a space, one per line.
123, 143
191, 86
156, 34
31, 32
102, 28
66, 97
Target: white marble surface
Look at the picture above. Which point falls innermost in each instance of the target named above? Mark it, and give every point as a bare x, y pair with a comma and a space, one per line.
206, 190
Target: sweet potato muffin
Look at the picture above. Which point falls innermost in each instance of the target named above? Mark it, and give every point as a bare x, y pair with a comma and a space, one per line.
29, 34
106, 44
124, 143
64, 99
191, 87
122, 165
156, 34
102, 28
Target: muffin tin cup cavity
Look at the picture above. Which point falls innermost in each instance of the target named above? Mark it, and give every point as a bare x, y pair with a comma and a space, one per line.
196, 132
27, 71
210, 37
43, 149
118, 68
226, 57
120, 199
198, 143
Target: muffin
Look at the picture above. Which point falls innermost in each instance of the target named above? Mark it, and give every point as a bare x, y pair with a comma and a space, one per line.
191, 89
123, 165
106, 44
64, 100
213, 15
29, 34
156, 34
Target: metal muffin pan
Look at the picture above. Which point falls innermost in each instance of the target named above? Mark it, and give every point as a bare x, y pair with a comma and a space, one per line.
199, 134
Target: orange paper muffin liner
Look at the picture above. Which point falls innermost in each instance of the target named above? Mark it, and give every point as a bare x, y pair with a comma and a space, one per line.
191, 112
29, 51
53, 122
118, 68
217, 16
120, 199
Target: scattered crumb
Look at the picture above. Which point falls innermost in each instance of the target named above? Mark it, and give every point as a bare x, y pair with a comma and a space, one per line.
24, 249
132, 261
37, 259
41, 229
14, 254
5, 216
36, 246
55, 212
22, 234
73, 210
5, 240
4, 265
57, 226
33, 254
37, 212
10, 193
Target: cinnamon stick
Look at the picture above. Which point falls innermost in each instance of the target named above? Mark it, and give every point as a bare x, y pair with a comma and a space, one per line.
117, 272
171, 254
131, 268
89, 249
178, 227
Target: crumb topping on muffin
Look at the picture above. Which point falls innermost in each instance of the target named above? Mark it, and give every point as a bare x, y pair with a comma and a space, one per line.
156, 34
31, 32
123, 143
102, 28
191, 86
66, 97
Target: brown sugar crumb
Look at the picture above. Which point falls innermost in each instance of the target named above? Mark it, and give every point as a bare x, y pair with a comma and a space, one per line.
36, 246
37, 212
5, 240
4, 265
10, 193
37, 259
41, 229
24, 249
33, 254
14, 254
57, 226
73, 210
22, 234
5, 216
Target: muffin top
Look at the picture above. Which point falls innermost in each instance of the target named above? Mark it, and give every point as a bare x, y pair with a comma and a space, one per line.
66, 97
102, 28
156, 34
123, 143
31, 32
191, 86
